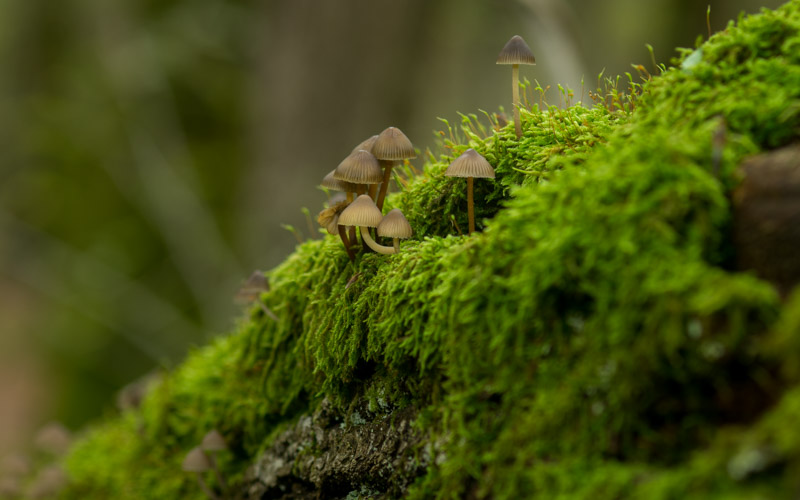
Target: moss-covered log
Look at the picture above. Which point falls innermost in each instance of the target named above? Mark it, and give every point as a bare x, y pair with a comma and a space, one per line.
593, 340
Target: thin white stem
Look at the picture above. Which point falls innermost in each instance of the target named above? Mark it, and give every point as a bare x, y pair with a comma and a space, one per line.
372, 244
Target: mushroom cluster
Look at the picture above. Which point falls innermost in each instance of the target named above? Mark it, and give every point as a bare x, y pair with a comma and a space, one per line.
368, 166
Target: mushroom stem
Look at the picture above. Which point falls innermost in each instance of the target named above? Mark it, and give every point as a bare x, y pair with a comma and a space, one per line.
220, 479
373, 244
470, 205
203, 486
396, 244
515, 94
387, 176
343, 236
349, 197
373, 188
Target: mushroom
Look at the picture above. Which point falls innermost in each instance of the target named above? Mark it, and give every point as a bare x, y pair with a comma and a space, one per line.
365, 214
391, 146
212, 443
252, 289
327, 218
198, 462
394, 225
366, 144
470, 165
516, 52
334, 184
360, 169
54, 439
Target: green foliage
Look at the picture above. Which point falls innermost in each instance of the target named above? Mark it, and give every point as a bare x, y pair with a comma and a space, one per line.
589, 343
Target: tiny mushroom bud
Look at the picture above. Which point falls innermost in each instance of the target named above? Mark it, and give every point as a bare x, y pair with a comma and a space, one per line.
391, 146
213, 442
394, 225
198, 462
470, 165
516, 52
365, 214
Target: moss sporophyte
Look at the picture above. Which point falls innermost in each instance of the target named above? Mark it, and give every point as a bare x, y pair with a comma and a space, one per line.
593, 339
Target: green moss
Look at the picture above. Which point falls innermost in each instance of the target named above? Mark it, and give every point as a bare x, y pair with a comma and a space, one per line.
589, 343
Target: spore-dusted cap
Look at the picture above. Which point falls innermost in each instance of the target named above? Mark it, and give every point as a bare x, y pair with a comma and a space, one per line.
334, 184
362, 212
360, 167
366, 144
196, 461
394, 225
516, 51
470, 164
392, 144
213, 441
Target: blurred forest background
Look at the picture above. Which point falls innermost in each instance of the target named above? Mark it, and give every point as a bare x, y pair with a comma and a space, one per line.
150, 151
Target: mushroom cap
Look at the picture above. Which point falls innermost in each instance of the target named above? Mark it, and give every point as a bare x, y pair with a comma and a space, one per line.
362, 212
516, 51
334, 184
394, 225
366, 144
392, 144
333, 225
196, 461
360, 167
470, 164
213, 441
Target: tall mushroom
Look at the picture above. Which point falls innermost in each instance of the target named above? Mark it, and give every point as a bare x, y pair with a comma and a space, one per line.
364, 214
516, 52
366, 144
390, 147
196, 461
395, 226
470, 165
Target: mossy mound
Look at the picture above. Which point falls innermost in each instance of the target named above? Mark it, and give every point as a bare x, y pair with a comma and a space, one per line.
591, 342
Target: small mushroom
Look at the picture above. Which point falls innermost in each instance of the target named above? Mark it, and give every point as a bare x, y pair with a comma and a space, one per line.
366, 144
394, 225
361, 169
334, 184
54, 439
212, 443
250, 291
390, 147
365, 214
198, 462
516, 52
470, 165
328, 218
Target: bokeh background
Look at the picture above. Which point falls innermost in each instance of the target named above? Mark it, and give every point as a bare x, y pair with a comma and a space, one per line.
153, 151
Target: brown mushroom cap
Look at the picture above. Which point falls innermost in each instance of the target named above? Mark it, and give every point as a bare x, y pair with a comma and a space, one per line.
333, 225
213, 441
362, 212
516, 51
196, 461
334, 184
470, 164
392, 144
394, 225
366, 144
360, 167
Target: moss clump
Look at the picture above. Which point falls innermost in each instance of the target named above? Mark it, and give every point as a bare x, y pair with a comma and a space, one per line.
590, 343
